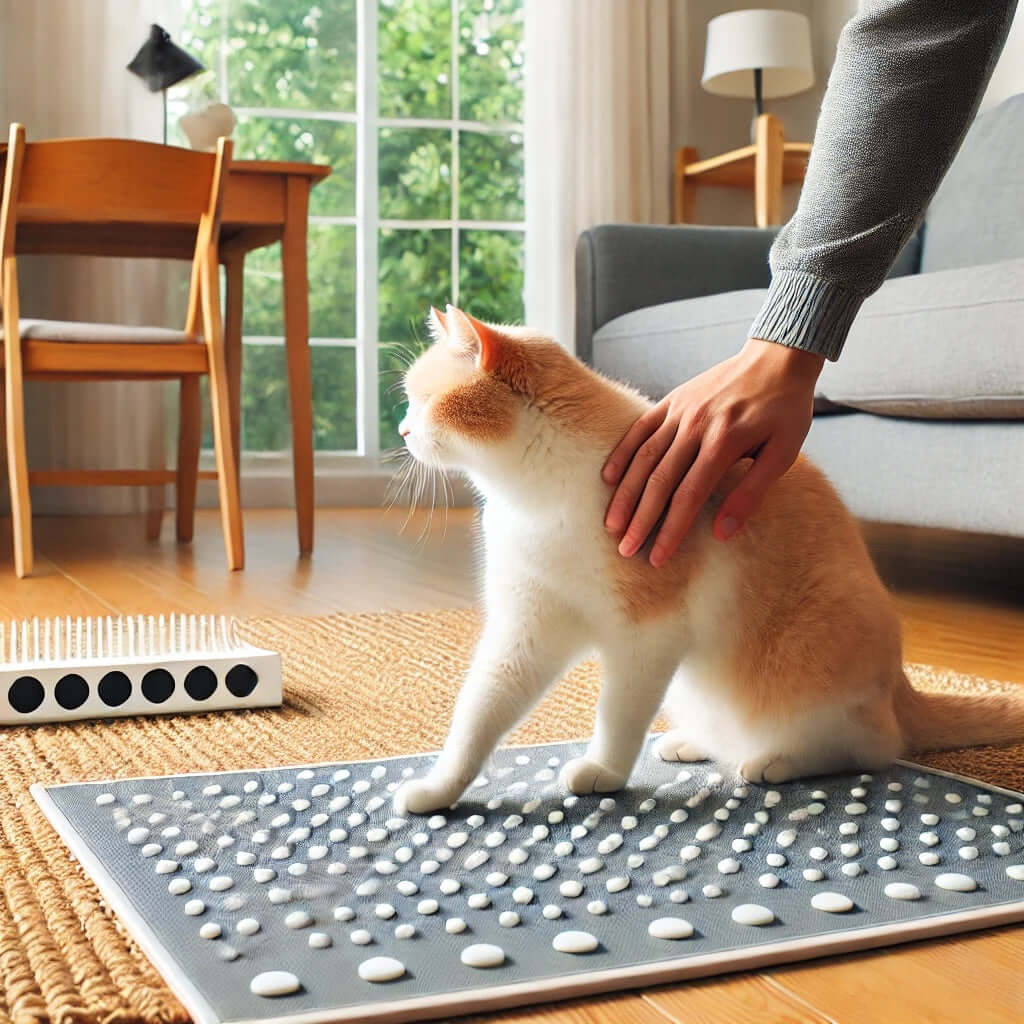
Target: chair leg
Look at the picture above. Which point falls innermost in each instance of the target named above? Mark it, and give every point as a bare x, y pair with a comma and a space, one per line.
227, 467
14, 417
189, 434
156, 496
154, 513
223, 445
17, 473
234, 278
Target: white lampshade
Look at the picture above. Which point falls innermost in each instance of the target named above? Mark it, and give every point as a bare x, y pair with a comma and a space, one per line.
778, 42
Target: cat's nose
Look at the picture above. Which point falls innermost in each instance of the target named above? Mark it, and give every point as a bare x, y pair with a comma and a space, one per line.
404, 430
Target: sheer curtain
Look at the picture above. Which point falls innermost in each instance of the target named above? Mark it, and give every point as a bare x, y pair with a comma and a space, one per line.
601, 116
62, 73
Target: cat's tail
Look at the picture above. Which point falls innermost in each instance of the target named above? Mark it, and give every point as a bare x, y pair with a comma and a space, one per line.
946, 721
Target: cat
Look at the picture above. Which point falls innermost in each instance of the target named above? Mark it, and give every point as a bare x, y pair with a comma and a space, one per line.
778, 651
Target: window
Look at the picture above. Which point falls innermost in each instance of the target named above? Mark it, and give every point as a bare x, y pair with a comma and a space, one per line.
417, 107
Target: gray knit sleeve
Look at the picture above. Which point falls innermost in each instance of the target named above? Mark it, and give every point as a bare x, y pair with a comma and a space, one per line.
906, 83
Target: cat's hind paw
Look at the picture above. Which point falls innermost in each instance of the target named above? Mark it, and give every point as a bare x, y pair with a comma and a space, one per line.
674, 746
582, 776
420, 796
769, 768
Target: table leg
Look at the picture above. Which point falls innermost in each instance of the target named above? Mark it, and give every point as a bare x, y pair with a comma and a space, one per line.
296, 339
234, 267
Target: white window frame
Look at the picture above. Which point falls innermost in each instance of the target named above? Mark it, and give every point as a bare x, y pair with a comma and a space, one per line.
355, 477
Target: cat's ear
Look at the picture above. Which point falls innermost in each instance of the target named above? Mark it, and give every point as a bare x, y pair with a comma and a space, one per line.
437, 324
476, 338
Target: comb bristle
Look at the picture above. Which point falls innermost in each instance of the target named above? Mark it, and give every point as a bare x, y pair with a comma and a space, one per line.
110, 638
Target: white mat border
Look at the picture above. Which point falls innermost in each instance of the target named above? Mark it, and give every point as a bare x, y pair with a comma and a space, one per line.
507, 996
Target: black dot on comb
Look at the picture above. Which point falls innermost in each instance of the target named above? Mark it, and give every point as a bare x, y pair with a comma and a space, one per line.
71, 692
25, 694
114, 689
241, 680
157, 685
201, 682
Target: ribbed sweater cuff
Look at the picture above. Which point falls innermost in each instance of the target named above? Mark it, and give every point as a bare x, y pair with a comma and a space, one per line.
806, 312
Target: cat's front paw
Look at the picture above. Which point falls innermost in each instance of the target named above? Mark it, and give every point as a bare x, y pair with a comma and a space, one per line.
674, 746
768, 768
420, 796
582, 776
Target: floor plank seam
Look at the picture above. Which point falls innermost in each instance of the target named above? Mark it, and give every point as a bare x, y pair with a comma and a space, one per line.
666, 1014
81, 586
774, 983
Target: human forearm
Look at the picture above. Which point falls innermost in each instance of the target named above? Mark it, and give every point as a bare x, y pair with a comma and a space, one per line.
906, 83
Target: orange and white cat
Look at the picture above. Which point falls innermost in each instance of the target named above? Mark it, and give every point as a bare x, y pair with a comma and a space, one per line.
778, 651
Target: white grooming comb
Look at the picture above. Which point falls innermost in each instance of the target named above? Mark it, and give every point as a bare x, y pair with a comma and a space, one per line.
59, 670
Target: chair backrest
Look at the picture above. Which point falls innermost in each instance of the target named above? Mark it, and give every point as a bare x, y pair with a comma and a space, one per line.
977, 215
113, 180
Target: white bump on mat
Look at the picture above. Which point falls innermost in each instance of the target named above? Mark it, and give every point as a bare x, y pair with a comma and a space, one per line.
752, 914
576, 942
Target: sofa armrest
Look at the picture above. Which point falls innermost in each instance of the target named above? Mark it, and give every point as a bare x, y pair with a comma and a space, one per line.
622, 267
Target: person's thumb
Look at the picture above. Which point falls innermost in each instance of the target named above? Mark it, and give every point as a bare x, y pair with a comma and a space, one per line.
745, 498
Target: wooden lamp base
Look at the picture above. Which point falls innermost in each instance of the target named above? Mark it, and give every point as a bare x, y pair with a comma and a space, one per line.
764, 166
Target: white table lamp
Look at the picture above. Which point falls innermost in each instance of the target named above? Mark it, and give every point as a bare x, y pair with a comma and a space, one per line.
758, 54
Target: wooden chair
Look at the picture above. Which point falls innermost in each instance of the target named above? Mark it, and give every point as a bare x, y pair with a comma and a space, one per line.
84, 185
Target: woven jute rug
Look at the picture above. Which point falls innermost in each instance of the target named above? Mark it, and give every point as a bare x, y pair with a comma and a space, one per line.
357, 687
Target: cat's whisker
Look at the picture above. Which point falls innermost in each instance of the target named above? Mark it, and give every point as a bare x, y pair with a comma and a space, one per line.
394, 489
449, 500
401, 475
424, 533
415, 493
404, 353
410, 496
414, 504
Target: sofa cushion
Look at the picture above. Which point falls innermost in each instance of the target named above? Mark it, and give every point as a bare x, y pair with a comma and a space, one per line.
947, 345
977, 215
656, 348
930, 346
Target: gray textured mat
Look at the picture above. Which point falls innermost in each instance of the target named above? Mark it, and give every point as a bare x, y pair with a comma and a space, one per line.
685, 830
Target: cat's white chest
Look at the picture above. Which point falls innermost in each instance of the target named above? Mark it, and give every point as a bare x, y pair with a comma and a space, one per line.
563, 555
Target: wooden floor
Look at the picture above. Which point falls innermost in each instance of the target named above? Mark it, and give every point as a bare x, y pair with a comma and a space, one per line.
962, 602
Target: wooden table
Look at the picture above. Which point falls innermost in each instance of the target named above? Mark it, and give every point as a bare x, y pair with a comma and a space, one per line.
264, 202
764, 167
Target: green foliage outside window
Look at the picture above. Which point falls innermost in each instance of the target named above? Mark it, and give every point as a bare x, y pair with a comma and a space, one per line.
299, 57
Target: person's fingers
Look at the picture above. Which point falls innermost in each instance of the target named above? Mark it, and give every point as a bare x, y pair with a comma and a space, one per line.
708, 468
658, 490
616, 464
745, 498
631, 486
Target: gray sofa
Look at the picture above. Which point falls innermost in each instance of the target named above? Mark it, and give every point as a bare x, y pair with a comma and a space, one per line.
922, 419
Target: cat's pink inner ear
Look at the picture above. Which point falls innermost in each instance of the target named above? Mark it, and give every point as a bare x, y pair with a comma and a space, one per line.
488, 342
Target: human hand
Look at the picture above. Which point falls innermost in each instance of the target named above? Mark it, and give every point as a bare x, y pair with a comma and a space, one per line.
757, 404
